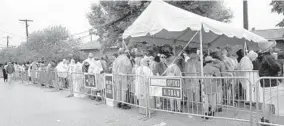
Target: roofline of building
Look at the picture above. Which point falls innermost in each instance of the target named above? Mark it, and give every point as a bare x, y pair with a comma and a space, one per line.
266, 29
275, 39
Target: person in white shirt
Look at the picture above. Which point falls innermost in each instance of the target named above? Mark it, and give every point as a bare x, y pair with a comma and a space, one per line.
247, 66
97, 69
71, 77
62, 70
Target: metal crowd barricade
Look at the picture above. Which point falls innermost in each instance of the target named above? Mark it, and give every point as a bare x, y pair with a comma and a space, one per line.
226, 95
35, 76
23, 76
93, 85
270, 100
241, 90
131, 89
50, 79
189, 94
175, 94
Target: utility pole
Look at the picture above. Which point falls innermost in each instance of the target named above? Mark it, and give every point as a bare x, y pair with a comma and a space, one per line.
7, 38
245, 21
27, 25
91, 34
245, 14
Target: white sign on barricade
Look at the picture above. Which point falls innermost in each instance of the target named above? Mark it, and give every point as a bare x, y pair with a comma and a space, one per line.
90, 81
109, 91
109, 86
166, 87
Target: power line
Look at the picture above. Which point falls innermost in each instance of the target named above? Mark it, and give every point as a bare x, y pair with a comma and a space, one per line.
79, 33
11, 33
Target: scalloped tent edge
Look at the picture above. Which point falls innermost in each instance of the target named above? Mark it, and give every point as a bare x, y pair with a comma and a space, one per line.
162, 23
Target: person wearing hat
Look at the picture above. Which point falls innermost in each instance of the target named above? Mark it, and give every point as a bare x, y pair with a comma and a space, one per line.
210, 88
221, 65
142, 72
246, 65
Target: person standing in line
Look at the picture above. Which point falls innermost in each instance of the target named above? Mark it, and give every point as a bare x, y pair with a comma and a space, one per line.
105, 64
61, 70
90, 59
218, 62
192, 86
231, 58
143, 71
71, 76
270, 67
78, 81
173, 70
33, 72
246, 65
10, 71
210, 87
121, 67
5, 76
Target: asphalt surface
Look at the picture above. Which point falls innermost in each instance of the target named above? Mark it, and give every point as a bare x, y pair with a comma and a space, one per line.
31, 105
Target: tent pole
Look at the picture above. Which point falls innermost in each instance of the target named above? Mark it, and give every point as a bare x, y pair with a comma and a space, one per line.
201, 52
201, 68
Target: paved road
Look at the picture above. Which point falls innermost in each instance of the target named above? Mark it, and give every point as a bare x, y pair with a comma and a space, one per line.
30, 105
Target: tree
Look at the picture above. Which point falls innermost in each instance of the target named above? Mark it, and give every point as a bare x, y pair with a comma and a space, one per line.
111, 18
278, 7
50, 44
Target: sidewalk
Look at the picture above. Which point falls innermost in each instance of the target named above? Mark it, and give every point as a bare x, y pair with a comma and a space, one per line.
61, 111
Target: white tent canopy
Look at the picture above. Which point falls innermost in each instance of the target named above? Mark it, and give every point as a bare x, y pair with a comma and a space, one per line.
162, 23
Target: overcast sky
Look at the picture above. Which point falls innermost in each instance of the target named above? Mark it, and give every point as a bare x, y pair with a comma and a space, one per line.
72, 14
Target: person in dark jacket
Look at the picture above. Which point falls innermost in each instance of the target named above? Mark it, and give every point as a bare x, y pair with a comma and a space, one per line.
85, 67
280, 59
10, 71
257, 62
5, 76
240, 54
269, 68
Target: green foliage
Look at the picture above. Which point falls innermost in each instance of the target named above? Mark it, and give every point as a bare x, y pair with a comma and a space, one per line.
49, 44
278, 7
111, 18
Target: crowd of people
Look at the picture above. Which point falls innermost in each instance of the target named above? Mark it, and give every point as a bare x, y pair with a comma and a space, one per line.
161, 62
217, 62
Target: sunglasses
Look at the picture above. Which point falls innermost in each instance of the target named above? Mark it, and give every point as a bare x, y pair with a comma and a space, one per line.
163, 57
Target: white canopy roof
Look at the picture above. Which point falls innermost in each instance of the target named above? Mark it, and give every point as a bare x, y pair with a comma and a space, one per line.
162, 23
